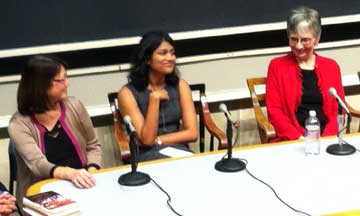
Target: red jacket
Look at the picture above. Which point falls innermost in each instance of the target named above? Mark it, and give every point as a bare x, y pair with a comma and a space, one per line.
284, 91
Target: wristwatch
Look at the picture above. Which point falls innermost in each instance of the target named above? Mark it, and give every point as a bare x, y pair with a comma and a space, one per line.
158, 141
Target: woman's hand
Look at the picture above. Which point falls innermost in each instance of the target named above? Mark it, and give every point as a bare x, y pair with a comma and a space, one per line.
7, 204
82, 178
79, 177
161, 95
92, 170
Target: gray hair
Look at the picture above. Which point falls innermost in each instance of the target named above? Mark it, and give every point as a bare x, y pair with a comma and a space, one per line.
304, 17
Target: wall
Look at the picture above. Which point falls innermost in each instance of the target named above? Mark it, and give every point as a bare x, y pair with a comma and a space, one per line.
219, 75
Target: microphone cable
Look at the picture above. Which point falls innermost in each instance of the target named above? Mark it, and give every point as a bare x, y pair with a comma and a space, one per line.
273, 190
236, 138
169, 197
237, 134
344, 142
261, 181
338, 133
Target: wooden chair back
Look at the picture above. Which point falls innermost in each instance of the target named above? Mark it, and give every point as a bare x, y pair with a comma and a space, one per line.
355, 114
120, 134
266, 130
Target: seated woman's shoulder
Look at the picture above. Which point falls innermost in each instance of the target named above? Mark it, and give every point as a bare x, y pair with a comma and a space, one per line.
183, 82
281, 59
326, 60
124, 89
72, 100
18, 118
126, 86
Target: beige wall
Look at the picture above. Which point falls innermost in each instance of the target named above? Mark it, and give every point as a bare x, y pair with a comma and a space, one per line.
226, 74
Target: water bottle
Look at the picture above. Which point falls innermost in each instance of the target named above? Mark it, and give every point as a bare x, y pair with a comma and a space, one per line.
312, 134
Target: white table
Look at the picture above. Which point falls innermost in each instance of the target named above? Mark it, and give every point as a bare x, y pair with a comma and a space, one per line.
318, 185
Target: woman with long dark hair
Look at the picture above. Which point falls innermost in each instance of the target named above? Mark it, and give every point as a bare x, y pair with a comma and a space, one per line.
156, 98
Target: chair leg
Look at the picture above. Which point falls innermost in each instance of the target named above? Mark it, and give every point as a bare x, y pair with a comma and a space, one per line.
12, 177
202, 136
11, 186
12, 166
211, 143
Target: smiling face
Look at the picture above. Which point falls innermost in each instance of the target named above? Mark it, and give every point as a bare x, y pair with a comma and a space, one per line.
58, 89
302, 43
162, 59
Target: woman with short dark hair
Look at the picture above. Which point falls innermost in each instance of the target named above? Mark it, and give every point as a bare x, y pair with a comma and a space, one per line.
52, 133
300, 81
156, 98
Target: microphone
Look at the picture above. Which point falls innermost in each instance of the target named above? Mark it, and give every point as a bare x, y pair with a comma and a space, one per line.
333, 93
133, 178
342, 147
223, 108
129, 125
229, 164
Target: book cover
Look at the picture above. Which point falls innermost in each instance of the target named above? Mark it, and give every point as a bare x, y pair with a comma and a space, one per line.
50, 203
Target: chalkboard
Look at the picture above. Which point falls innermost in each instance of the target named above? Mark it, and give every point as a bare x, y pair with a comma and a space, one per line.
28, 23
33, 23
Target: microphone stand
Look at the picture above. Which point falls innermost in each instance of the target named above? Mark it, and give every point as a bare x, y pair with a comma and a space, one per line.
133, 178
342, 147
229, 164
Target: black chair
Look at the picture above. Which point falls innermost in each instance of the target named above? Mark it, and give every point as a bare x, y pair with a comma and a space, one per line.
12, 166
205, 121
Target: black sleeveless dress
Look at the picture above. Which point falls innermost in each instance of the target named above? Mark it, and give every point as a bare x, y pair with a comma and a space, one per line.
168, 120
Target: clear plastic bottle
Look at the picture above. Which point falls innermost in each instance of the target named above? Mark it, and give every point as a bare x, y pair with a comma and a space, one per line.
312, 134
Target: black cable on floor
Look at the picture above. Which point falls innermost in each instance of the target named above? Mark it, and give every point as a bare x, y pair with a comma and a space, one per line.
169, 198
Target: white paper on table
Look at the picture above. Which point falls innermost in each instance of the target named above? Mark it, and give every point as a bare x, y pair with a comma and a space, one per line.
173, 152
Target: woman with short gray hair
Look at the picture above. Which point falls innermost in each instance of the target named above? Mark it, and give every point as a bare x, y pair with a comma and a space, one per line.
302, 18
299, 81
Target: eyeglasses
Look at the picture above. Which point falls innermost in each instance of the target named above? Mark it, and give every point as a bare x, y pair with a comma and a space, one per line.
303, 41
61, 80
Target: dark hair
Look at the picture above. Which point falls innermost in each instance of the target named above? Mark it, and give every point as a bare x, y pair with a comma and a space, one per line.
140, 69
36, 79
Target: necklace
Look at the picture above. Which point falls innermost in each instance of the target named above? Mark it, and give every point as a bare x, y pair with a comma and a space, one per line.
161, 108
155, 89
163, 118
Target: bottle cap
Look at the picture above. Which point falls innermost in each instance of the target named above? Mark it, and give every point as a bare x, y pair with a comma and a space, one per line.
312, 113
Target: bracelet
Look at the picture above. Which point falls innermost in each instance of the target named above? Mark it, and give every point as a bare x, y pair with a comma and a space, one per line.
60, 172
158, 141
92, 165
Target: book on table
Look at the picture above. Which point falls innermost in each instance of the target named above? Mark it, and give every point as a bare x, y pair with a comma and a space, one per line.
50, 203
